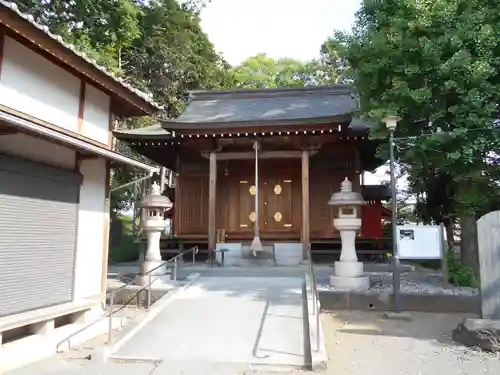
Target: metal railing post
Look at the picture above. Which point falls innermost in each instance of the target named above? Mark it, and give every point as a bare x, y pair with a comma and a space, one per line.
148, 303
314, 290
194, 255
110, 313
175, 269
317, 330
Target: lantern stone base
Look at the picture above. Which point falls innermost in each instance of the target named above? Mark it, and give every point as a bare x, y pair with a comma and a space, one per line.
348, 269
349, 276
350, 283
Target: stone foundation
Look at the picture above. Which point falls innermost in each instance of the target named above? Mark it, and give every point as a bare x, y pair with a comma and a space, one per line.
239, 255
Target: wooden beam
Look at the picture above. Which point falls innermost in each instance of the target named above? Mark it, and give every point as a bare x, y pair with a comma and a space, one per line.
2, 45
111, 126
248, 155
212, 211
305, 233
81, 105
7, 130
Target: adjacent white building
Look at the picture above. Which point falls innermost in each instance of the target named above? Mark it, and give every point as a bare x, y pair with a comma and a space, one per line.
57, 112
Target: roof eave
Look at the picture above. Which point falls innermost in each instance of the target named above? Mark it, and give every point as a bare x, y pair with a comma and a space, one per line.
72, 142
126, 136
179, 126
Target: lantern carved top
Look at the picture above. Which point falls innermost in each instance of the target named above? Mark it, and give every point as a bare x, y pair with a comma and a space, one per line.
346, 197
155, 199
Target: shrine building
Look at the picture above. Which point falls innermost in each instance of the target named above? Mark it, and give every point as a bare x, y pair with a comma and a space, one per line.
308, 140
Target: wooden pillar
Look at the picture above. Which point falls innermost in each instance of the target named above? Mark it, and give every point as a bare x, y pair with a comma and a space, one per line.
106, 228
305, 233
212, 192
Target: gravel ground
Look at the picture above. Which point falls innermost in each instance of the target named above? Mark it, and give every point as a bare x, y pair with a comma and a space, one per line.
423, 282
360, 343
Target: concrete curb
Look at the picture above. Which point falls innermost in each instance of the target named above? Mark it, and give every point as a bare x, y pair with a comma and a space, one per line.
106, 352
316, 345
369, 301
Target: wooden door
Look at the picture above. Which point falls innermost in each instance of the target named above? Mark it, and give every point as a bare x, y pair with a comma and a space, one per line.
246, 214
277, 206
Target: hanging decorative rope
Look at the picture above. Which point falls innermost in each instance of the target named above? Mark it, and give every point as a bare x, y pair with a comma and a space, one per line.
256, 243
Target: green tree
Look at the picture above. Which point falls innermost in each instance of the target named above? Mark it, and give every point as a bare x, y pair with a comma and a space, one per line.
435, 64
156, 45
262, 71
173, 55
101, 28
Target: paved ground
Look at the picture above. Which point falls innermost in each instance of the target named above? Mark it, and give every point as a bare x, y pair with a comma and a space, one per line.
227, 320
358, 343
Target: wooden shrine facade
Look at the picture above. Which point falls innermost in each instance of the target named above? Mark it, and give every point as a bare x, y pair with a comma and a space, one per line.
302, 160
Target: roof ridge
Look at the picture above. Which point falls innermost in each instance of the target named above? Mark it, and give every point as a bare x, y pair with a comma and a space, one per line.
148, 97
249, 93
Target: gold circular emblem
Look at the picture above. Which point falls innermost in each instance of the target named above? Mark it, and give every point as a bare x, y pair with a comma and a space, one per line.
252, 190
277, 189
278, 216
252, 217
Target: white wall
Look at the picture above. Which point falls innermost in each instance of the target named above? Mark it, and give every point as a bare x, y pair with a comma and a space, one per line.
36, 149
33, 85
96, 115
90, 237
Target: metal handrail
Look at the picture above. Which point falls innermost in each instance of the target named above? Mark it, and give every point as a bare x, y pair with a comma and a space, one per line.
314, 292
112, 294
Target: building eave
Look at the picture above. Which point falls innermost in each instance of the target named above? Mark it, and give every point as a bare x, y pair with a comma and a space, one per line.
180, 126
41, 131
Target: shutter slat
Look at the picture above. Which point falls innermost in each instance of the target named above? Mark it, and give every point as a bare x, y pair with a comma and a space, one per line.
38, 219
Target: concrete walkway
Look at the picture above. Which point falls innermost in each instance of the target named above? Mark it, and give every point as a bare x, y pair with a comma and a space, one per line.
226, 321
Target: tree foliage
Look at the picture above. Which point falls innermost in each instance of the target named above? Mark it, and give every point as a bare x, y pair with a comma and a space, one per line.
436, 64
262, 71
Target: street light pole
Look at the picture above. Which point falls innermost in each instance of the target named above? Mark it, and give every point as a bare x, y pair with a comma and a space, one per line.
391, 124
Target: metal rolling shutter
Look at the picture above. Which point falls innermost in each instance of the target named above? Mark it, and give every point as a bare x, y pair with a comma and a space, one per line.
38, 222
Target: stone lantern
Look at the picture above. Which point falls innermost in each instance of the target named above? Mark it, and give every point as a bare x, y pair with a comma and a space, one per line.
348, 272
153, 224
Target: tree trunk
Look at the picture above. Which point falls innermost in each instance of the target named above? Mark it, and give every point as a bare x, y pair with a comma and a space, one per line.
469, 253
450, 236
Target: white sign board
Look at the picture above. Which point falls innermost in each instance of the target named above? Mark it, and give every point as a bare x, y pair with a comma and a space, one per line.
420, 242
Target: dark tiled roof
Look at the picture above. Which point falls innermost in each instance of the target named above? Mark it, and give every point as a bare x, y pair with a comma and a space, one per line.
261, 107
149, 132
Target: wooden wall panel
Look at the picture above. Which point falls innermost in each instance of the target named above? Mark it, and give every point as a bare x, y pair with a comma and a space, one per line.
234, 202
323, 183
192, 205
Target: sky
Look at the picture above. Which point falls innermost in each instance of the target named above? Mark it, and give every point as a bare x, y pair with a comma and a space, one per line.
279, 28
